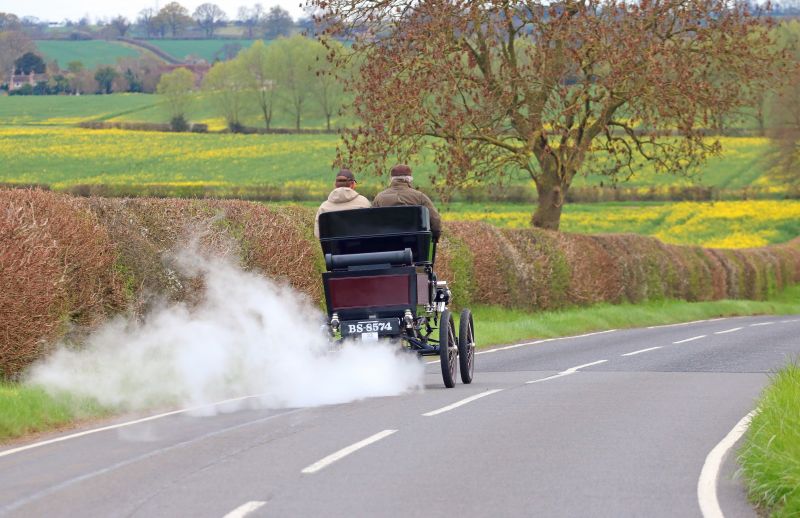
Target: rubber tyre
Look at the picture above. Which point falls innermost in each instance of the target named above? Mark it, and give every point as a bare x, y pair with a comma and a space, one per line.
448, 349
466, 346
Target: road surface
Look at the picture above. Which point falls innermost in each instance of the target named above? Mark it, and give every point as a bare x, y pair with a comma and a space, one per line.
609, 424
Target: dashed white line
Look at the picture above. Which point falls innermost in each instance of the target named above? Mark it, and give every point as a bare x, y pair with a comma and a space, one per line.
571, 370
640, 351
789, 321
762, 324
732, 330
461, 403
707, 484
690, 339
344, 452
245, 509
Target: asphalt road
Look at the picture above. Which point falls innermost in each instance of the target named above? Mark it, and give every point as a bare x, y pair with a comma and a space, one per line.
614, 424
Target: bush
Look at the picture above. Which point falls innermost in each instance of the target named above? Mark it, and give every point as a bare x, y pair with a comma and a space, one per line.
179, 123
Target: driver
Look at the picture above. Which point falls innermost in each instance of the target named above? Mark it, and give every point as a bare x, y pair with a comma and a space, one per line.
400, 192
342, 197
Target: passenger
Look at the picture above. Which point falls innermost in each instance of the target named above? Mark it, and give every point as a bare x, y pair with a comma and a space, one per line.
400, 192
342, 197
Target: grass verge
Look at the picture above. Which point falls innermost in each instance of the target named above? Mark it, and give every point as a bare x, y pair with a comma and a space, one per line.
496, 325
25, 410
770, 457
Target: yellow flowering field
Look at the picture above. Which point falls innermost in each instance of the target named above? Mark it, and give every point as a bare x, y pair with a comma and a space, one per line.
725, 224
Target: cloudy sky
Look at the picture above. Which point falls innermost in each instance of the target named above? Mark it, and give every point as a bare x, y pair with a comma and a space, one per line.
57, 10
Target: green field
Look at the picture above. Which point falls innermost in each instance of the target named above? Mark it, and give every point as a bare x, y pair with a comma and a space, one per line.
210, 50
91, 53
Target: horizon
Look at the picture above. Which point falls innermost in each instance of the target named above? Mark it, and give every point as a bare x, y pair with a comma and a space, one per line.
51, 11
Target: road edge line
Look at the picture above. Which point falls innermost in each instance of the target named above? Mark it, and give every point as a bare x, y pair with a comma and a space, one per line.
707, 483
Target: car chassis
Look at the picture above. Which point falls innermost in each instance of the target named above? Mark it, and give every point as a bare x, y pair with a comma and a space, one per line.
380, 284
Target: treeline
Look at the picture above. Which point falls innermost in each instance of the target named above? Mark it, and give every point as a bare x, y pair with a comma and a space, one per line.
173, 20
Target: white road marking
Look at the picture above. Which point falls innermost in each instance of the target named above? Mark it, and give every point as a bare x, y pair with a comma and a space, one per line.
571, 370
688, 323
461, 403
245, 509
728, 331
707, 484
789, 321
762, 324
640, 351
120, 425
585, 335
690, 339
344, 452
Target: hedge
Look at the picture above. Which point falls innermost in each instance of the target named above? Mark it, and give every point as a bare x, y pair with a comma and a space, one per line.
69, 263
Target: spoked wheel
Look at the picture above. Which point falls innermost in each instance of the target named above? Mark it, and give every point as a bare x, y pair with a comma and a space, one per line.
466, 346
448, 349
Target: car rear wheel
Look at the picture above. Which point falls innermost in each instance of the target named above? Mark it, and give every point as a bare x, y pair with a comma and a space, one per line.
448, 349
466, 346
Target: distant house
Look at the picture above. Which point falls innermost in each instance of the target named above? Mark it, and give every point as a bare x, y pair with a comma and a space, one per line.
20, 80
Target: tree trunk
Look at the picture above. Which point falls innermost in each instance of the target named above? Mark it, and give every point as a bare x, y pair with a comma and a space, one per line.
551, 200
297, 121
328, 121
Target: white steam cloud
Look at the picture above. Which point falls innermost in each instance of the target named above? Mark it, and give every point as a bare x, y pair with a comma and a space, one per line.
248, 336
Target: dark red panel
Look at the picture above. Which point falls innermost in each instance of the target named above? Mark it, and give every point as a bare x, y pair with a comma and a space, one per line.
377, 290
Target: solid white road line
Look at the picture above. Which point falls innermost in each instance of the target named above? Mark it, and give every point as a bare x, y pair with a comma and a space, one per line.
245, 509
728, 331
789, 321
640, 351
707, 484
344, 452
687, 323
461, 403
120, 425
762, 324
571, 370
587, 334
690, 339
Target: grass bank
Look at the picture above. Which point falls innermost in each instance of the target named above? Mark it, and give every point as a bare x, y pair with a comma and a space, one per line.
770, 457
496, 325
25, 410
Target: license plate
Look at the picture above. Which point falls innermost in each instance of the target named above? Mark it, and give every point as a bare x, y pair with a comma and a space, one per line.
371, 329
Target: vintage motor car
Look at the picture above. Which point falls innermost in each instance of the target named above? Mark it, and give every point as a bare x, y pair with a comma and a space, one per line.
380, 285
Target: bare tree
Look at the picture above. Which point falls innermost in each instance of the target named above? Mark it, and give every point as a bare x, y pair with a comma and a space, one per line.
13, 44
252, 18
278, 22
121, 24
209, 17
549, 89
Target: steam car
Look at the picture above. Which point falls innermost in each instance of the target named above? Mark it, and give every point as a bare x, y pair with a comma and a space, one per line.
380, 285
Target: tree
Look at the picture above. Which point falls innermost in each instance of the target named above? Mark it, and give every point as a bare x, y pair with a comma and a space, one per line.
75, 66
176, 17
251, 18
9, 22
208, 17
176, 87
105, 77
153, 23
278, 22
29, 63
121, 25
227, 86
260, 67
549, 89
294, 59
13, 44
327, 88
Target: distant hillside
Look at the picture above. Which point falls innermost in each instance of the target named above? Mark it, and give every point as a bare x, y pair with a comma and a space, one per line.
210, 50
91, 53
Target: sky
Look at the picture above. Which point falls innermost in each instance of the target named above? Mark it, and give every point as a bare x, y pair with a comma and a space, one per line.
58, 10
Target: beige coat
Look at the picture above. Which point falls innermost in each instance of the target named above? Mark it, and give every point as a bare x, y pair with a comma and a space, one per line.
341, 198
400, 192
